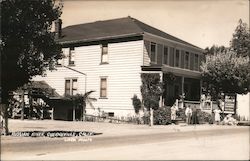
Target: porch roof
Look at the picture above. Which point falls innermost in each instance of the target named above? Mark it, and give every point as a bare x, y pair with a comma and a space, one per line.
174, 70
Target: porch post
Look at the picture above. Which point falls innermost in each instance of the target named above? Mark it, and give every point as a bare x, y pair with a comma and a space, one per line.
52, 113
74, 113
182, 91
161, 98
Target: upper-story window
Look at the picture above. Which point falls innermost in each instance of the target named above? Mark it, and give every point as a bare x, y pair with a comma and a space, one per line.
177, 58
153, 52
104, 54
165, 55
70, 86
72, 56
196, 62
186, 63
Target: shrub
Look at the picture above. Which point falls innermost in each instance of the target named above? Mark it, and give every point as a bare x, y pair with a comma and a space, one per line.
204, 117
136, 103
162, 116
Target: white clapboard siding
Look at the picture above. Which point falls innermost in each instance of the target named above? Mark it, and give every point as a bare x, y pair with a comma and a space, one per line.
122, 72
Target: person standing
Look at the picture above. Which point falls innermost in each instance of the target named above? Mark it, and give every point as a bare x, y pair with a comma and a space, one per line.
194, 117
173, 113
188, 113
217, 116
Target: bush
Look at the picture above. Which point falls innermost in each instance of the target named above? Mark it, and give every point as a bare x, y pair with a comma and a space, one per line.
136, 103
162, 116
204, 117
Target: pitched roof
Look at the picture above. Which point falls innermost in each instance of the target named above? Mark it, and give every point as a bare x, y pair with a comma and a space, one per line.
115, 28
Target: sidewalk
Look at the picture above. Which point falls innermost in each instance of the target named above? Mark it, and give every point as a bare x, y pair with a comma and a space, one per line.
107, 129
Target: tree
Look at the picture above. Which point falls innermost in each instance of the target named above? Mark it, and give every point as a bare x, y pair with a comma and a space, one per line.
240, 42
151, 90
27, 45
226, 72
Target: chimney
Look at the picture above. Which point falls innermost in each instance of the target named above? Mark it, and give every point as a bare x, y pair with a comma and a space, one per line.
58, 28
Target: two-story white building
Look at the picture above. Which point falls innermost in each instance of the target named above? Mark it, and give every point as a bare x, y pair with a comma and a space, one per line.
109, 57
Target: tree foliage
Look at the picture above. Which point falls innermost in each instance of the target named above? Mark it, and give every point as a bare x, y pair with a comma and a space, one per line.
226, 72
241, 40
215, 49
27, 44
151, 90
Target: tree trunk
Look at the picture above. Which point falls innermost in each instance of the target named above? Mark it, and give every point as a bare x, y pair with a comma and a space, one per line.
6, 125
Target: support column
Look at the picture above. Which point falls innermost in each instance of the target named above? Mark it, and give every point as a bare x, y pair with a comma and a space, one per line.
52, 114
182, 91
74, 113
161, 98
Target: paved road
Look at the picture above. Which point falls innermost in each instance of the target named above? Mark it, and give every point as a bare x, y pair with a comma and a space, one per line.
206, 144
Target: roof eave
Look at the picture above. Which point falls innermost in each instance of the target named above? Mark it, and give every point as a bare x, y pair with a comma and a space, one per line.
99, 38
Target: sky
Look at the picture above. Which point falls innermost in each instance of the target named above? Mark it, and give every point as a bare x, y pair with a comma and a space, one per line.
201, 22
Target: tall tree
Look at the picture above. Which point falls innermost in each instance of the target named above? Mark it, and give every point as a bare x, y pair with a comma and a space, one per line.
240, 42
28, 47
27, 44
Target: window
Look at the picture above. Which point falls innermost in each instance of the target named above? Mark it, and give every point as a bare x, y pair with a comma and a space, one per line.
72, 56
153, 52
177, 58
70, 86
104, 56
103, 88
186, 64
196, 62
165, 55
111, 114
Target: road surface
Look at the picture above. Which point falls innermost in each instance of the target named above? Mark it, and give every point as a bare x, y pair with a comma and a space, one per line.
206, 144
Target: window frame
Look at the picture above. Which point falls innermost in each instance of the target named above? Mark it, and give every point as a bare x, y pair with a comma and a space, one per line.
102, 88
155, 57
106, 53
71, 86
